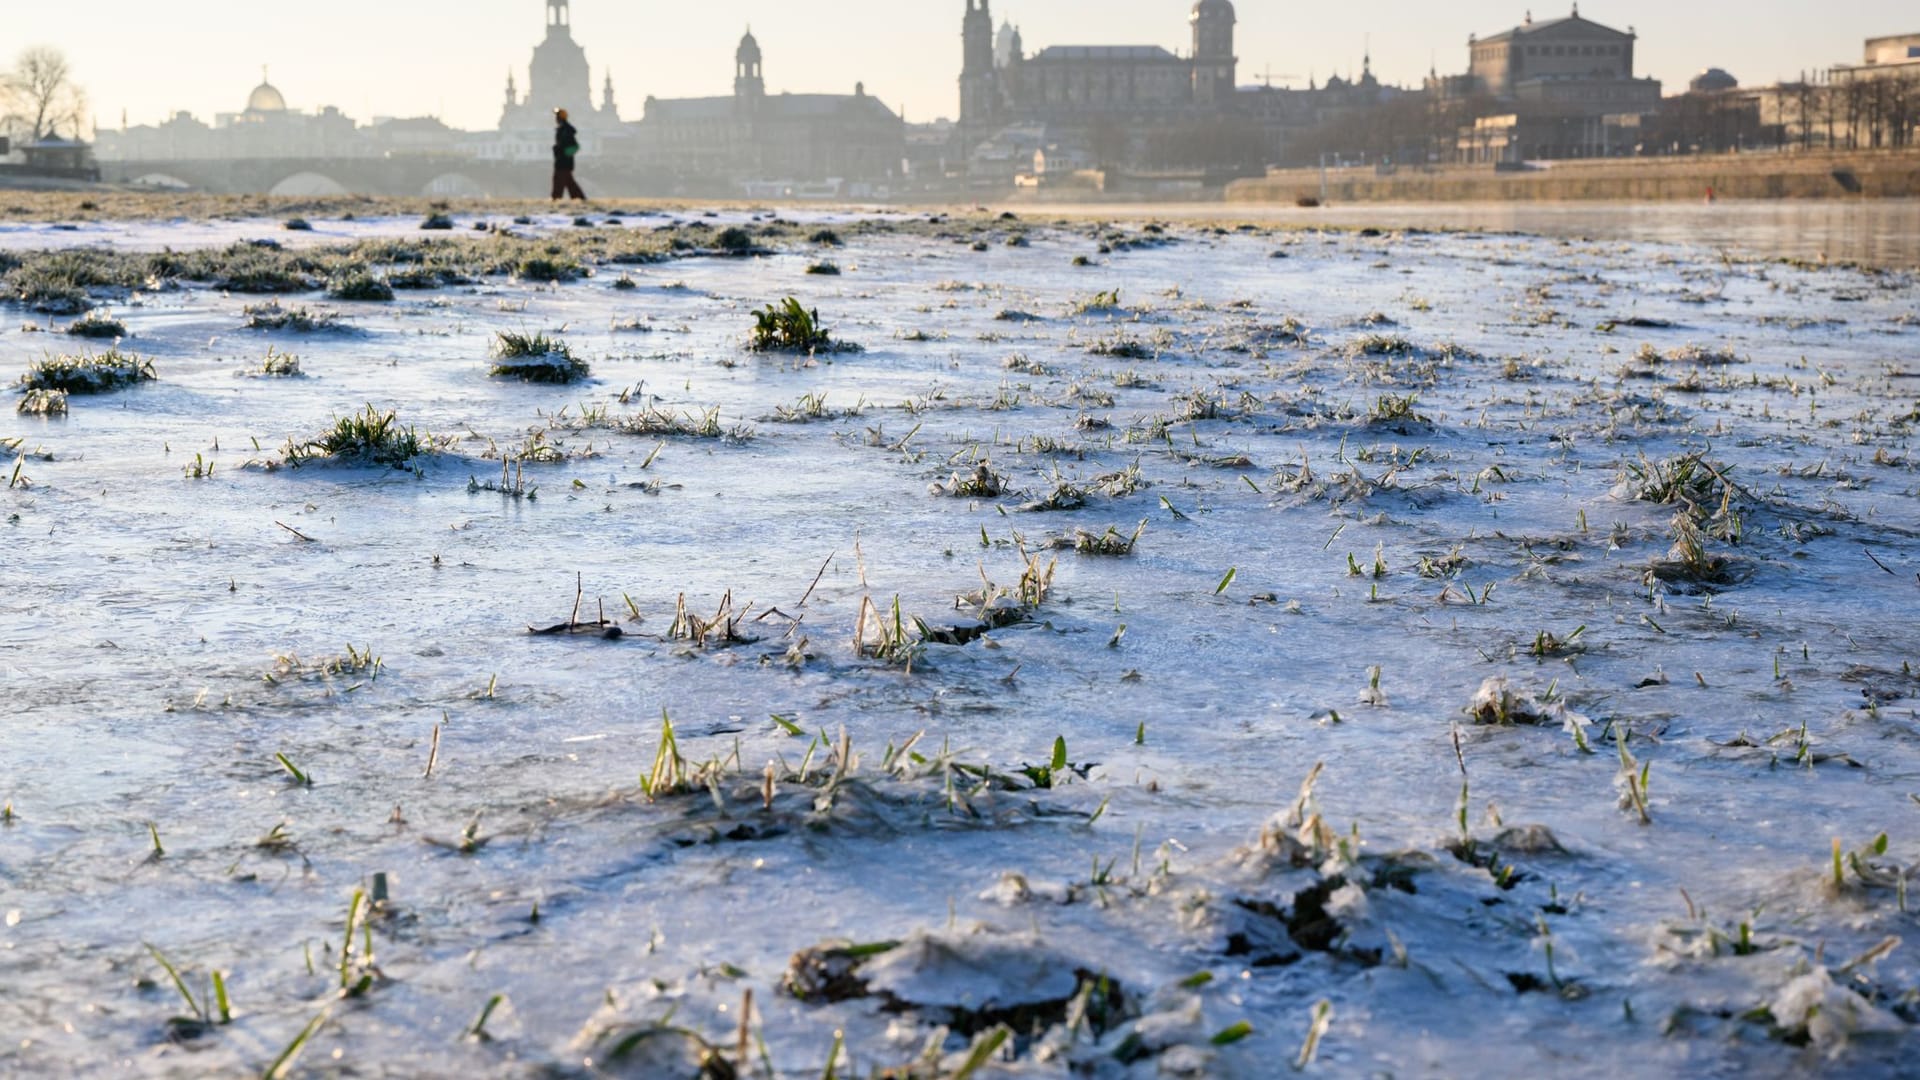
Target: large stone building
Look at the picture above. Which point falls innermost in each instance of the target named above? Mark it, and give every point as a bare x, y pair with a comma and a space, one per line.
1144, 108
1082, 83
752, 135
266, 128
1565, 89
557, 78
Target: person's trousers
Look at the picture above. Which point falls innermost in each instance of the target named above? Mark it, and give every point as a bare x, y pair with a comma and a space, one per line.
565, 184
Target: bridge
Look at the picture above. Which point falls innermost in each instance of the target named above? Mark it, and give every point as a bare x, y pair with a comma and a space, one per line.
402, 176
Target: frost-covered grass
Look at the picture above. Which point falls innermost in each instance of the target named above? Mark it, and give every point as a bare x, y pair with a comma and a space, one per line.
369, 437
1255, 700
536, 358
88, 373
97, 324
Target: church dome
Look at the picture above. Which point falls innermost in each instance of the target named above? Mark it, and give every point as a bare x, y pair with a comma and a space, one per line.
749, 49
1713, 80
1204, 9
265, 99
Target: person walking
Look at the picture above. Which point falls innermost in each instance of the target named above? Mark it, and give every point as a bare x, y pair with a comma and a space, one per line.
566, 147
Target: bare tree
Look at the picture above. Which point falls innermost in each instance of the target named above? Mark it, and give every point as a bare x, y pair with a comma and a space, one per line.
41, 95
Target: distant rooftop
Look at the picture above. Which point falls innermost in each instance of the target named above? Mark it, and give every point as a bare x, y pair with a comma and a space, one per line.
1549, 24
1104, 52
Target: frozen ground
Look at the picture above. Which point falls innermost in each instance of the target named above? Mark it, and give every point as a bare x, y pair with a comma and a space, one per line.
1516, 628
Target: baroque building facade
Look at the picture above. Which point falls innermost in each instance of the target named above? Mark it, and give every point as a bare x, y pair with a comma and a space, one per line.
1001, 84
752, 134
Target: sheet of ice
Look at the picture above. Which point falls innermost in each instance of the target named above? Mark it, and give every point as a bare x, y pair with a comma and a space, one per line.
1375, 474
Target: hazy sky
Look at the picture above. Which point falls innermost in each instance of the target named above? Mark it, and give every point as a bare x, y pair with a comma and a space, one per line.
449, 58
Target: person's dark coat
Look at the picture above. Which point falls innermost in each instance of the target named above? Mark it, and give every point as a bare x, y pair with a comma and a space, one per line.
566, 145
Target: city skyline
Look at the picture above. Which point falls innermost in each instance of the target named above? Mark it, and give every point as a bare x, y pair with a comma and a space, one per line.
450, 58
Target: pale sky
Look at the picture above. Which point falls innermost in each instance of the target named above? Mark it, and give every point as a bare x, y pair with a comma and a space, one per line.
449, 58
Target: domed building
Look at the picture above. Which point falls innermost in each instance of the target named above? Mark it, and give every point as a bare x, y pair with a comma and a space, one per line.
269, 127
559, 78
1713, 81
265, 100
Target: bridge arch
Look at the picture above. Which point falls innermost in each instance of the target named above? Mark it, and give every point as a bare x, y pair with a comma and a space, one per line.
159, 181
308, 184
455, 185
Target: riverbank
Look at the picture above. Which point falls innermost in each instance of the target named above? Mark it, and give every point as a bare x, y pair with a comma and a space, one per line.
1728, 176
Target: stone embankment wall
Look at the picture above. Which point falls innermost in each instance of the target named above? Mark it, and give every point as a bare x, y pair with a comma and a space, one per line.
1887, 175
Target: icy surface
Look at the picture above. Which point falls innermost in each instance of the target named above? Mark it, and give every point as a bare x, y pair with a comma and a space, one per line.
1434, 513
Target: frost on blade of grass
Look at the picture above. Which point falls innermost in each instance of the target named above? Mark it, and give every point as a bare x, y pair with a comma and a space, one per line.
43, 403
92, 373
280, 365
368, 437
1498, 703
980, 482
536, 358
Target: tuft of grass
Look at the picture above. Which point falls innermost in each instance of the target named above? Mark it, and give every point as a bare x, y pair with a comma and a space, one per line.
43, 403
298, 224
734, 240
300, 320
360, 285
280, 365
368, 437
1380, 345
790, 327
1394, 409
536, 358
981, 483
1110, 543
436, 223
1101, 303
97, 324
548, 268
93, 373
824, 268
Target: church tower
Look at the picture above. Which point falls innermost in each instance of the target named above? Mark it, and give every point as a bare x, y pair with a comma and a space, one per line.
749, 81
1213, 60
979, 82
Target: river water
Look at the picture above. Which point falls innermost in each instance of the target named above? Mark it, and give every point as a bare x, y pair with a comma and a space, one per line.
1883, 233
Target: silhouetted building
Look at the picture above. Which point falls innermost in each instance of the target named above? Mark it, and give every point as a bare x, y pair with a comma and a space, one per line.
754, 135
558, 78
266, 128
1713, 81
